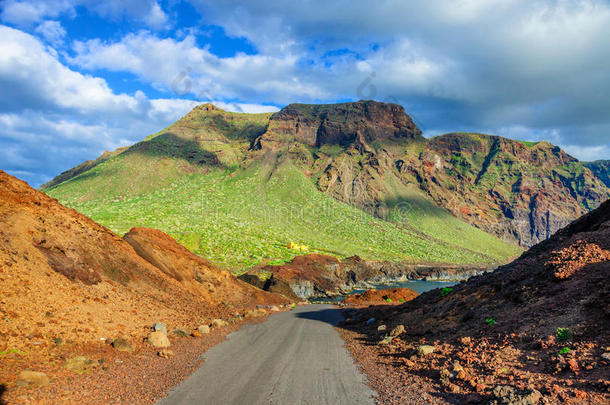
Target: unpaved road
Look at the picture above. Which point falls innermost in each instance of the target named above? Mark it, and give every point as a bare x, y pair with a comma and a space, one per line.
295, 357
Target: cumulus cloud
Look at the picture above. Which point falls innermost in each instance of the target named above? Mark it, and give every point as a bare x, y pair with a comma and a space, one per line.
463, 64
52, 118
52, 31
27, 12
528, 70
180, 66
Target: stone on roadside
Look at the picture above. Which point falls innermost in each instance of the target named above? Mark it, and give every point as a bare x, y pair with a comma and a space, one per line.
29, 378
255, 313
381, 328
159, 327
219, 323
606, 356
123, 345
158, 339
203, 329
180, 332
425, 350
79, 364
274, 308
370, 321
165, 353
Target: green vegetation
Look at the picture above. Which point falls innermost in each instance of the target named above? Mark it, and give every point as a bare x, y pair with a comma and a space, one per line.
490, 321
563, 334
195, 181
6, 352
529, 144
564, 350
388, 300
446, 291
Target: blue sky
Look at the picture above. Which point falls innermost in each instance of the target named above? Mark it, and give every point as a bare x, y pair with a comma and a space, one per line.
78, 77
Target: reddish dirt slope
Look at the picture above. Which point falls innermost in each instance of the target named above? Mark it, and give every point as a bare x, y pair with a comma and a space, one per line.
196, 274
503, 327
65, 278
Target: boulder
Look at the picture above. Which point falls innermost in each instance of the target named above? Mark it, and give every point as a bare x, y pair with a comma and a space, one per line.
123, 345
274, 308
203, 329
158, 339
381, 328
79, 364
180, 332
159, 327
29, 378
425, 350
606, 356
507, 395
218, 323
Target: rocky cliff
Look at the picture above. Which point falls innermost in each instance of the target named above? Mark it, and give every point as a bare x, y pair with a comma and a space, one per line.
371, 154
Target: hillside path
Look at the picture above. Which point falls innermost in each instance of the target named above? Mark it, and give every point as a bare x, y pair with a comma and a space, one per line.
295, 357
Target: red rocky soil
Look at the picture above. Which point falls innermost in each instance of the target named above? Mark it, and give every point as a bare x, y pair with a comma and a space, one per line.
536, 330
391, 295
67, 285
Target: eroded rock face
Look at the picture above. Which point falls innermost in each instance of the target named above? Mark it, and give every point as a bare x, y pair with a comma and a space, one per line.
319, 276
341, 124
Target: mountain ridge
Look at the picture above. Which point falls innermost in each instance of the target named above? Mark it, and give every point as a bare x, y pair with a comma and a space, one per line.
367, 155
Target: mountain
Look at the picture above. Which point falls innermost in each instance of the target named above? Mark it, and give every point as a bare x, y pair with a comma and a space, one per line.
601, 169
537, 326
372, 155
239, 189
64, 276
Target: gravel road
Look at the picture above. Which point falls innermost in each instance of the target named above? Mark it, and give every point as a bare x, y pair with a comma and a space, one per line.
295, 357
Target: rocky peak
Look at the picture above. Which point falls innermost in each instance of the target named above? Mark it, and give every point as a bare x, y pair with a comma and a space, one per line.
342, 123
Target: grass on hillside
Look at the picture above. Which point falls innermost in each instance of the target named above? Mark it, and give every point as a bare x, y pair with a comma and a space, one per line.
239, 218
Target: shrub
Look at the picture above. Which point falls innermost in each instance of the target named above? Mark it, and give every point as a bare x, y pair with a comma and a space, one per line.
490, 321
563, 334
445, 291
564, 350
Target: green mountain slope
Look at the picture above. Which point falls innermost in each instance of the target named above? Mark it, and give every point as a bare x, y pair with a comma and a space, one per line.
205, 181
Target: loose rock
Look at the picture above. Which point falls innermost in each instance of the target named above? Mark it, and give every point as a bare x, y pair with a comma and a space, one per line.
397, 331
158, 339
425, 350
159, 327
79, 364
219, 323
180, 332
123, 345
507, 395
29, 378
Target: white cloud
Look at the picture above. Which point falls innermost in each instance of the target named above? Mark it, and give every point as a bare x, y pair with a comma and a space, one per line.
181, 67
27, 12
52, 118
52, 31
